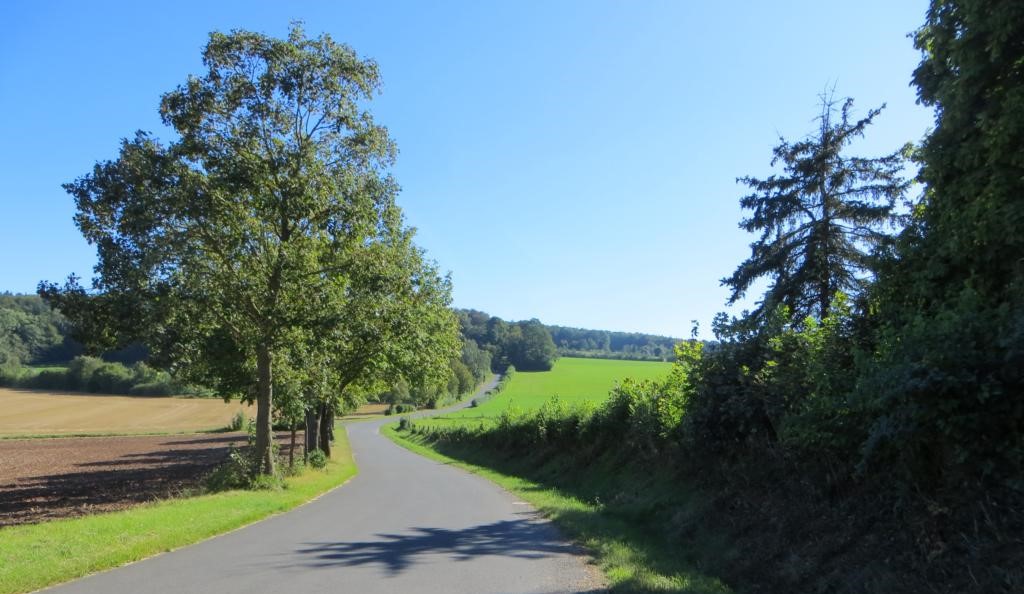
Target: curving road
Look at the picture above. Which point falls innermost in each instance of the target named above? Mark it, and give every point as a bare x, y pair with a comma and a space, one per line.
404, 524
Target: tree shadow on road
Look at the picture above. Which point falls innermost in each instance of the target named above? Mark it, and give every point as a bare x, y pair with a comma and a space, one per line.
523, 538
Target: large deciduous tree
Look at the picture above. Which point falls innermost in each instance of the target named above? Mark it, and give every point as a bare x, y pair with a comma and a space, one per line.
267, 234
819, 218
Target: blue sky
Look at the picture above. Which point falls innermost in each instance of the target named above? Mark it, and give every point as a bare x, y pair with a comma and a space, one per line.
569, 161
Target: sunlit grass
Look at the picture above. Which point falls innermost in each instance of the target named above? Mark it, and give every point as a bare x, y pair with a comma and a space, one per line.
572, 380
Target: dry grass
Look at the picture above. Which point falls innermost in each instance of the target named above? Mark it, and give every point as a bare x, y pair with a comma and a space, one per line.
31, 412
366, 411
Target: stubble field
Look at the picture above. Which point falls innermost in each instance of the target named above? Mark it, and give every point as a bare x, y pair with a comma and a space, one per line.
31, 412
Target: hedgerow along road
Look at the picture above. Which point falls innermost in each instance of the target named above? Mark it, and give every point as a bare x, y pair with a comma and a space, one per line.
404, 524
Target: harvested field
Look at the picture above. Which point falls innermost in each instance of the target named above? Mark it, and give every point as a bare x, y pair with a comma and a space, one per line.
45, 479
31, 412
366, 411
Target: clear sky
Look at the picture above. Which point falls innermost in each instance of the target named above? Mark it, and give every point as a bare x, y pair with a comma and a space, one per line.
569, 161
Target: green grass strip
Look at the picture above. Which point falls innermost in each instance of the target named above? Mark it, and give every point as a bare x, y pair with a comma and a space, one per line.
40, 555
631, 559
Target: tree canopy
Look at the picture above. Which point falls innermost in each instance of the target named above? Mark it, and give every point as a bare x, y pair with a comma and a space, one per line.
266, 238
950, 298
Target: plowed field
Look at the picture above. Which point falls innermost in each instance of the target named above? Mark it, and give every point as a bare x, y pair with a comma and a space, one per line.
43, 479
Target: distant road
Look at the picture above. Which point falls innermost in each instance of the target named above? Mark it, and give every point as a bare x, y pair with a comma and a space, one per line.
404, 525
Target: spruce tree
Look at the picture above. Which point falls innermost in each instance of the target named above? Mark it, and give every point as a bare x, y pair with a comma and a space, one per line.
819, 218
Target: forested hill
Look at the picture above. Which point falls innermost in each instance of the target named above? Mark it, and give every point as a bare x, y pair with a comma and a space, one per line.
613, 345
33, 334
525, 344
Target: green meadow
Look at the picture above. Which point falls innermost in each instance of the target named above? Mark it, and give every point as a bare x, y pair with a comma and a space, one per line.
573, 381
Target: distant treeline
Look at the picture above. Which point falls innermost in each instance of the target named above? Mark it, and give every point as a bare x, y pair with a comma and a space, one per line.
34, 335
580, 342
91, 374
530, 345
525, 345
31, 333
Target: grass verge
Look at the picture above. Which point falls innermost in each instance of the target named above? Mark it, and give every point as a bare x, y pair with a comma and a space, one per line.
40, 555
625, 537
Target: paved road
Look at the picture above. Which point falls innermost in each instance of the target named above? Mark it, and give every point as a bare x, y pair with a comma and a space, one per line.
404, 524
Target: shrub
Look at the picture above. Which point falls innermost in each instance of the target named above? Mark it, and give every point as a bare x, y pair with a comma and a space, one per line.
162, 387
317, 459
80, 370
237, 421
49, 379
234, 473
110, 378
266, 482
405, 424
144, 374
11, 373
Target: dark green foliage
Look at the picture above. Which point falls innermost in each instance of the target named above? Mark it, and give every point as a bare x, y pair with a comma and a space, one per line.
502, 339
317, 459
529, 347
234, 473
91, 374
110, 378
463, 380
818, 219
397, 409
526, 345
48, 379
946, 382
476, 360
31, 333
579, 342
399, 392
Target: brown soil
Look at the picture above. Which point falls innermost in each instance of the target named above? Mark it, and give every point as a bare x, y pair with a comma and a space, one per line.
45, 479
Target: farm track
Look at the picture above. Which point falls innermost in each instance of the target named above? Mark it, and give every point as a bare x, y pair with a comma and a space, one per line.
46, 479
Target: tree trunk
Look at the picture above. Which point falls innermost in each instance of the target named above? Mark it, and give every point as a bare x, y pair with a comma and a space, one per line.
326, 428
264, 453
312, 431
291, 450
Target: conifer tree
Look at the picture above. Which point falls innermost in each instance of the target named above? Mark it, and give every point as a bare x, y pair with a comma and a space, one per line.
819, 218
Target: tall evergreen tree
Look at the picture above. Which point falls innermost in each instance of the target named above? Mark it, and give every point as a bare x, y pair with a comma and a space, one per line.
819, 218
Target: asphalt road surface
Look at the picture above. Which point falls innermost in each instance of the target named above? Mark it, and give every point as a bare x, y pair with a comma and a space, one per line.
404, 524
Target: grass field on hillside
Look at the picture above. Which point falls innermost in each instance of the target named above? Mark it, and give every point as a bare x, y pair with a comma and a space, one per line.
572, 381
